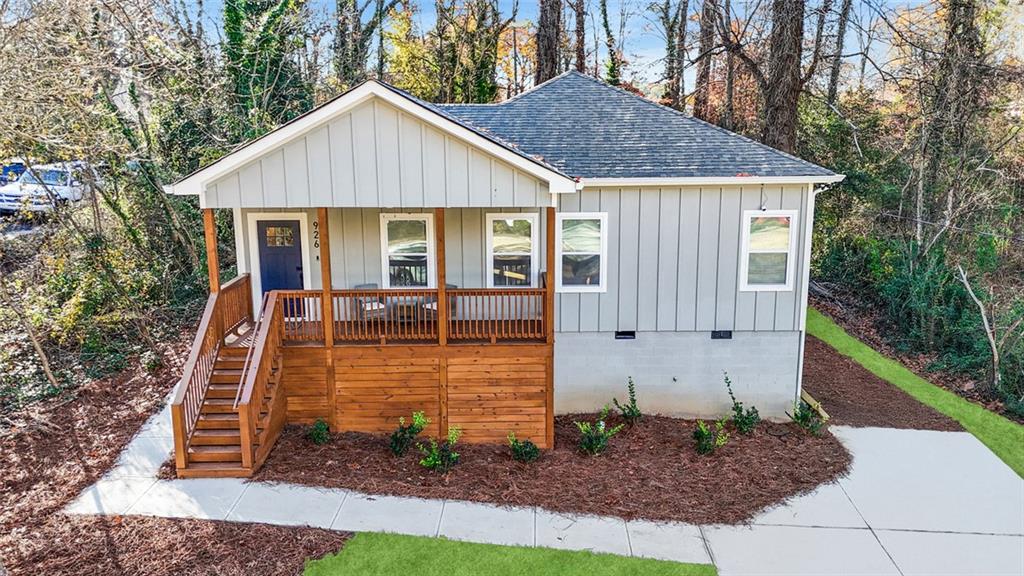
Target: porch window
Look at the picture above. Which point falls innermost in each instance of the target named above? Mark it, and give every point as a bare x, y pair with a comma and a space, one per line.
769, 242
581, 240
407, 247
512, 250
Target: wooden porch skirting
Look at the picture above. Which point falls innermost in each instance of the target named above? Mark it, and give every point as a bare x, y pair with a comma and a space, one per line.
487, 390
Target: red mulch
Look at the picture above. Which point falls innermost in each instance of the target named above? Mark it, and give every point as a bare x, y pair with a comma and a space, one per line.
865, 323
853, 396
651, 471
67, 444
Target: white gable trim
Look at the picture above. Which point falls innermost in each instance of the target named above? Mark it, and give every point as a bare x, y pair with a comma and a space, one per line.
195, 183
709, 181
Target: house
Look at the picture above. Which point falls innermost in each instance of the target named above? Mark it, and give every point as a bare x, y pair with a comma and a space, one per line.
492, 265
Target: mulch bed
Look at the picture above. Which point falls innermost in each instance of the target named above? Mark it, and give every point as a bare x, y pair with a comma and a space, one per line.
67, 444
853, 396
650, 471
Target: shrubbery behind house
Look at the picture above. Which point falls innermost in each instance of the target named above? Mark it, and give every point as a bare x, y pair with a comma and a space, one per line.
594, 436
404, 436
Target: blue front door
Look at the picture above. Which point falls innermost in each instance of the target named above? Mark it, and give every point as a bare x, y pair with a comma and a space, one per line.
280, 249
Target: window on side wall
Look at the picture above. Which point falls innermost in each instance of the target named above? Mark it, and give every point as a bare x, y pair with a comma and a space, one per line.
407, 247
581, 243
769, 250
512, 250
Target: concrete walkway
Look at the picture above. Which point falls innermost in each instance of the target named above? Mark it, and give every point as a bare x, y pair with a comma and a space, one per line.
915, 502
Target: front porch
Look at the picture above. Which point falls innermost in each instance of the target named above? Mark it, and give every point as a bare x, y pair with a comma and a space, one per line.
480, 358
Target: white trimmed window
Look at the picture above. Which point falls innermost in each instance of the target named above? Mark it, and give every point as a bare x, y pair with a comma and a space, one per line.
407, 250
769, 250
581, 244
512, 245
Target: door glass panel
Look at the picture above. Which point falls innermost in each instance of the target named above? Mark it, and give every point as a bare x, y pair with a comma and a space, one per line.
280, 236
581, 269
769, 233
407, 237
581, 235
512, 270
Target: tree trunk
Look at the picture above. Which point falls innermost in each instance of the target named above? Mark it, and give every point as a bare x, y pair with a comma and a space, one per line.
547, 40
580, 9
784, 83
612, 71
730, 74
837, 58
702, 91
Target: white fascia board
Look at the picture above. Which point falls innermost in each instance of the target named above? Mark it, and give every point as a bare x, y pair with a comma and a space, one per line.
708, 181
196, 183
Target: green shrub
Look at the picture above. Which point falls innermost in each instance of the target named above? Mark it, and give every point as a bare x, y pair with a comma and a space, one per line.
630, 412
441, 457
319, 433
745, 420
403, 437
522, 450
806, 417
594, 436
708, 441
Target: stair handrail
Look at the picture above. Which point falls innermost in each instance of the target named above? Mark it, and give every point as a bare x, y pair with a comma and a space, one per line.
255, 375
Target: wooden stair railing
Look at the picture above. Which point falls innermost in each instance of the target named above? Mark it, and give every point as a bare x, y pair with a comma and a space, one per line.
260, 402
226, 310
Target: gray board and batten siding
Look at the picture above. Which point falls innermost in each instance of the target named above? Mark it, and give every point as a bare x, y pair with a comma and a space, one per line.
375, 155
674, 260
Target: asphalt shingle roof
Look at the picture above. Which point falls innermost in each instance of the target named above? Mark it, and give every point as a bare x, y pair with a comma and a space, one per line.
587, 128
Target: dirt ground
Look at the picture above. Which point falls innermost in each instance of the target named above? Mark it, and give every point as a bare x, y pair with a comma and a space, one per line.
650, 471
66, 445
853, 396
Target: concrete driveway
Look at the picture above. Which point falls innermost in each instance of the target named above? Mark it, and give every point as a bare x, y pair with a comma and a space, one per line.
915, 502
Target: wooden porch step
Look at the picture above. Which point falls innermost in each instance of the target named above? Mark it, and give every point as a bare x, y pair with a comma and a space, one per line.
220, 376
214, 470
225, 453
222, 391
216, 437
218, 406
217, 421
230, 363
233, 352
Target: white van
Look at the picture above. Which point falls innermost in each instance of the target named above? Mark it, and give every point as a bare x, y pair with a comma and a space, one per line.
42, 186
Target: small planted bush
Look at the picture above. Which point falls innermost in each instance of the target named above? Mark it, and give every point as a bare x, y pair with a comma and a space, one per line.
806, 417
522, 450
745, 420
404, 436
710, 440
594, 436
630, 412
319, 433
441, 457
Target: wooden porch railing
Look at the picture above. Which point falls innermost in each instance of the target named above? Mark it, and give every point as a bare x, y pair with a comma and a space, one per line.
226, 310
302, 315
258, 374
409, 315
496, 314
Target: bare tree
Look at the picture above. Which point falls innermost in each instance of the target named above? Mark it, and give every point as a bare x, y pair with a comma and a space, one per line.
671, 22
548, 28
579, 9
837, 56
999, 310
702, 90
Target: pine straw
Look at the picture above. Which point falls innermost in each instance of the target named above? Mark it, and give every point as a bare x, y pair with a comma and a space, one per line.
43, 470
650, 471
853, 396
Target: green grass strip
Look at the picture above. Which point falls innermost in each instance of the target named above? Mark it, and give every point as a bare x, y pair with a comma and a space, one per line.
1004, 437
372, 553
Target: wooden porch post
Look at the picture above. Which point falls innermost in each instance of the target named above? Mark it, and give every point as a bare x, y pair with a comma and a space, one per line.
327, 310
549, 324
442, 318
210, 235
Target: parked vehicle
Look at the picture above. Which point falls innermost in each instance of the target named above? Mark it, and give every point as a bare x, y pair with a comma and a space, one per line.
40, 187
11, 170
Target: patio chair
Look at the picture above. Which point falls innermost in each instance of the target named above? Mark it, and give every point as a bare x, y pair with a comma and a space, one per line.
431, 307
370, 307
